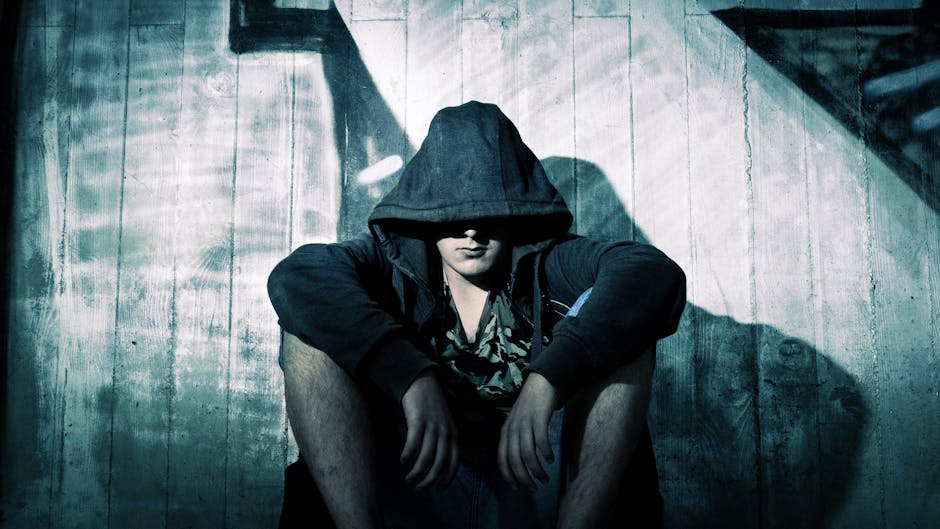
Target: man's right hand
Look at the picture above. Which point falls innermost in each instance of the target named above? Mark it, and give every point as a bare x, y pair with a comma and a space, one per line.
431, 445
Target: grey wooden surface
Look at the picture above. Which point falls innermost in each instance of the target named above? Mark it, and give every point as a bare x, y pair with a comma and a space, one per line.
159, 177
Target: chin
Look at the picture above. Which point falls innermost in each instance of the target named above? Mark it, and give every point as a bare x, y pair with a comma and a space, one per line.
474, 270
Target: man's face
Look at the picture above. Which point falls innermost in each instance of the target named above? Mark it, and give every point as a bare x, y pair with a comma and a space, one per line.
473, 248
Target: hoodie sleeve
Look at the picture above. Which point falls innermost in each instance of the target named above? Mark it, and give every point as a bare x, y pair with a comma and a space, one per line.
330, 296
637, 297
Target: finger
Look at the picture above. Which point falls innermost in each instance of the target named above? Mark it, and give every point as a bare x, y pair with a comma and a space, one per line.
425, 457
502, 458
544, 443
452, 463
530, 457
516, 463
412, 443
441, 458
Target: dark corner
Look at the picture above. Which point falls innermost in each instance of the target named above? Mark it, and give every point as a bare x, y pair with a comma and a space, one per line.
9, 31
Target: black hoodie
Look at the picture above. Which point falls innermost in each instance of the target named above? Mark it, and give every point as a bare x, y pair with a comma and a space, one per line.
363, 301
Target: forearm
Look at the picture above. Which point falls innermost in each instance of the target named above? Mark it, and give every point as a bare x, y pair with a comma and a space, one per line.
603, 424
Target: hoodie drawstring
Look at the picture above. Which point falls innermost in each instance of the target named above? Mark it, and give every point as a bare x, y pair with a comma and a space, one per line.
537, 309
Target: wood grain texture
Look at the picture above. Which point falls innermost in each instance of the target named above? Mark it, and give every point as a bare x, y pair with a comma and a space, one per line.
378, 9
81, 490
142, 384
603, 136
601, 8
146, 312
837, 189
787, 388
196, 494
40, 179
905, 352
316, 183
662, 215
489, 56
727, 360
433, 69
546, 91
158, 12
256, 432
374, 110
904, 346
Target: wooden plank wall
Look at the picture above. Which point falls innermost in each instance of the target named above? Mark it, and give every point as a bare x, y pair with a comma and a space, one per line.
159, 177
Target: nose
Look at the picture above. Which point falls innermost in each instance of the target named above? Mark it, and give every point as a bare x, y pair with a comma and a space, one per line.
471, 232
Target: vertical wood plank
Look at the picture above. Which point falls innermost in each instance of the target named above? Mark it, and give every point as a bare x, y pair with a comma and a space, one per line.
40, 177
146, 312
787, 389
374, 107
660, 131
489, 56
145, 12
433, 63
850, 468
378, 10
255, 448
60, 13
726, 360
202, 239
317, 173
896, 248
662, 215
601, 8
603, 136
33, 14
931, 369
315, 193
546, 93
849, 471
92, 222
904, 348
904, 352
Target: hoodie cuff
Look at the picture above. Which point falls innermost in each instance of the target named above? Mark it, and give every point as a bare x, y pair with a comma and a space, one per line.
565, 365
393, 366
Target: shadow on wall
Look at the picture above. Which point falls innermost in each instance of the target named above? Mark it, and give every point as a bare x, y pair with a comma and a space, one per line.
366, 130
741, 379
876, 71
744, 378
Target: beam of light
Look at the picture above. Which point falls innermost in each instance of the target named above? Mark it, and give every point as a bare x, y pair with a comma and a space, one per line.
904, 81
380, 170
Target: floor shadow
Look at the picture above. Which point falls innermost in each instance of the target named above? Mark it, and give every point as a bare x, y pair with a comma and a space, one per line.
876, 71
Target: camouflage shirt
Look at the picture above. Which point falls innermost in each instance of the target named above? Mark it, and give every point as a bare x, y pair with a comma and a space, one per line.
488, 370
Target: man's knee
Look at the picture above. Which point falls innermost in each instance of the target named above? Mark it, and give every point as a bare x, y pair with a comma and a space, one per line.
624, 384
313, 371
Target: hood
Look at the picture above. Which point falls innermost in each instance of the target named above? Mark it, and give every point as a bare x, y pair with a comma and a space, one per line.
473, 164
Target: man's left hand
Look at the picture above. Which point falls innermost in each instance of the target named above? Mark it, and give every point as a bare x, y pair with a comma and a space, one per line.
525, 433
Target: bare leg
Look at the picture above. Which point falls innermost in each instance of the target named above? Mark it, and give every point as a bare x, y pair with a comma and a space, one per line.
603, 424
334, 432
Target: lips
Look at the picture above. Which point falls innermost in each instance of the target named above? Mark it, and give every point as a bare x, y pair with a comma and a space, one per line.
476, 251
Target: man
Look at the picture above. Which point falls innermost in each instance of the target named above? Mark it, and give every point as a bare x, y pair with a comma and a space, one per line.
470, 362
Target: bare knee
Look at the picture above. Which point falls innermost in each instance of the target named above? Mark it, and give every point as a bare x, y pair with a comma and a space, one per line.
611, 410
313, 368
317, 390
621, 387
